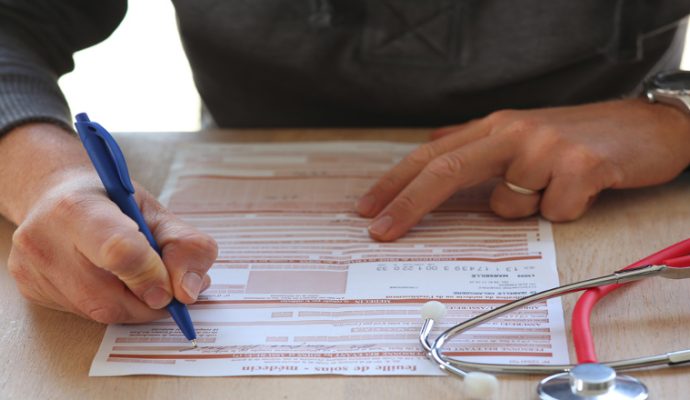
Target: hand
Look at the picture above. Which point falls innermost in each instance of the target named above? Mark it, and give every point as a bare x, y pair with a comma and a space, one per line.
74, 250
567, 154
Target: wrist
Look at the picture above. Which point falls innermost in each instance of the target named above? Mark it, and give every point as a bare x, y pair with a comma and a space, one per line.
671, 88
669, 120
34, 158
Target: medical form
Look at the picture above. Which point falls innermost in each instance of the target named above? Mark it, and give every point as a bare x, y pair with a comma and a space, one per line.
299, 288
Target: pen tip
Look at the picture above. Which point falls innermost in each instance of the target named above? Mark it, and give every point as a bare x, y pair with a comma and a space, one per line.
194, 344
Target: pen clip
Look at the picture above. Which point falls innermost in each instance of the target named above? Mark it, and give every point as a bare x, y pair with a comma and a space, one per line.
113, 149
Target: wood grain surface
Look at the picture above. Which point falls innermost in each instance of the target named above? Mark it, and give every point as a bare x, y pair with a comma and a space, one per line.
46, 354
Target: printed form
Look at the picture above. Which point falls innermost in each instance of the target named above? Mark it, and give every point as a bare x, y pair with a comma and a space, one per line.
299, 288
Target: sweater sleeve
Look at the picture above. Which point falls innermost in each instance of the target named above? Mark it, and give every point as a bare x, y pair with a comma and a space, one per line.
37, 41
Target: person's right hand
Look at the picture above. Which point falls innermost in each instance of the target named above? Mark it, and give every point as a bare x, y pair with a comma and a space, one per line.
74, 250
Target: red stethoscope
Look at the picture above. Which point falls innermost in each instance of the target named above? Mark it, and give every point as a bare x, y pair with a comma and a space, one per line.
589, 378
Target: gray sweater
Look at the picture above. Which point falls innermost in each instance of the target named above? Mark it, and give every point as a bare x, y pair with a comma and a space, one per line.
359, 62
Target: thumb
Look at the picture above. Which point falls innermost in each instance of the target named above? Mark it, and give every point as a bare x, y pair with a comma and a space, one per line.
111, 240
187, 252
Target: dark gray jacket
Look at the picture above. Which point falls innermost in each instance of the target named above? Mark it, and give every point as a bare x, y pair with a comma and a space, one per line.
359, 62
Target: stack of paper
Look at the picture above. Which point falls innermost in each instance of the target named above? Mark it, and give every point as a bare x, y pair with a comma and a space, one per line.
300, 288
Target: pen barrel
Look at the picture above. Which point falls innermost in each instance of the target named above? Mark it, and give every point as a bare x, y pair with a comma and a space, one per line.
110, 164
177, 310
180, 314
128, 205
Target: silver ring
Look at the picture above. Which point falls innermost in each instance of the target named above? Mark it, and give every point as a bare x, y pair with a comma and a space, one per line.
519, 189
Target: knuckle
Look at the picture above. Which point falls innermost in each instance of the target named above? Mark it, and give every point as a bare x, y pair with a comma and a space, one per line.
102, 311
150, 206
406, 203
544, 136
523, 129
25, 242
422, 154
447, 166
22, 274
500, 117
580, 159
205, 245
141, 276
524, 126
25, 283
387, 183
536, 146
196, 244
122, 254
68, 205
19, 273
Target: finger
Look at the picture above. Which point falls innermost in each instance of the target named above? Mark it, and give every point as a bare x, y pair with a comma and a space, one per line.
462, 168
531, 170
112, 241
579, 175
103, 297
404, 172
509, 204
187, 253
568, 197
89, 292
29, 255
32, 285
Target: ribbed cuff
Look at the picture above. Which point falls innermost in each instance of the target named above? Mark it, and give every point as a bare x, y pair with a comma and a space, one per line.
25, 99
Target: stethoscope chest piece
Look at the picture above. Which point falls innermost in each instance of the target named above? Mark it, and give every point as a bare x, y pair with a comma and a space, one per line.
591, 382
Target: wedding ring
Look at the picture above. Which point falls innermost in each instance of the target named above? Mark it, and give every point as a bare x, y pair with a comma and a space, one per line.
519, 189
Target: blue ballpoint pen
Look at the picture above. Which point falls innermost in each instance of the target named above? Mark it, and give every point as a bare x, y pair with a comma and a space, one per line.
109, 162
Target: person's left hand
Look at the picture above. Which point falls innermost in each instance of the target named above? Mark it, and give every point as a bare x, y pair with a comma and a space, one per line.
567, 155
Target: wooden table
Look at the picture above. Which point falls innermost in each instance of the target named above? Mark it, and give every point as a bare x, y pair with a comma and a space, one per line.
46, 354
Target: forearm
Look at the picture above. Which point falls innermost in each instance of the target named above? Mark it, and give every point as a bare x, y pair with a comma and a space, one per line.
34, 158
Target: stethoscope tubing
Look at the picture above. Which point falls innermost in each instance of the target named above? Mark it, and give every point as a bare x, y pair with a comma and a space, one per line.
676, 255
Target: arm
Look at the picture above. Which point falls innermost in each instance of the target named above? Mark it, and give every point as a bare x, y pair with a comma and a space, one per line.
73, 249
37, 40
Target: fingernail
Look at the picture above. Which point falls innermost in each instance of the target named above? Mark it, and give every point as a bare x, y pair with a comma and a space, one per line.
157, 297
207, 284
365, 204
381, 225
191, 283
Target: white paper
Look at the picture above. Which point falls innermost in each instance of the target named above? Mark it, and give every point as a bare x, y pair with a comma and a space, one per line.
299, 288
